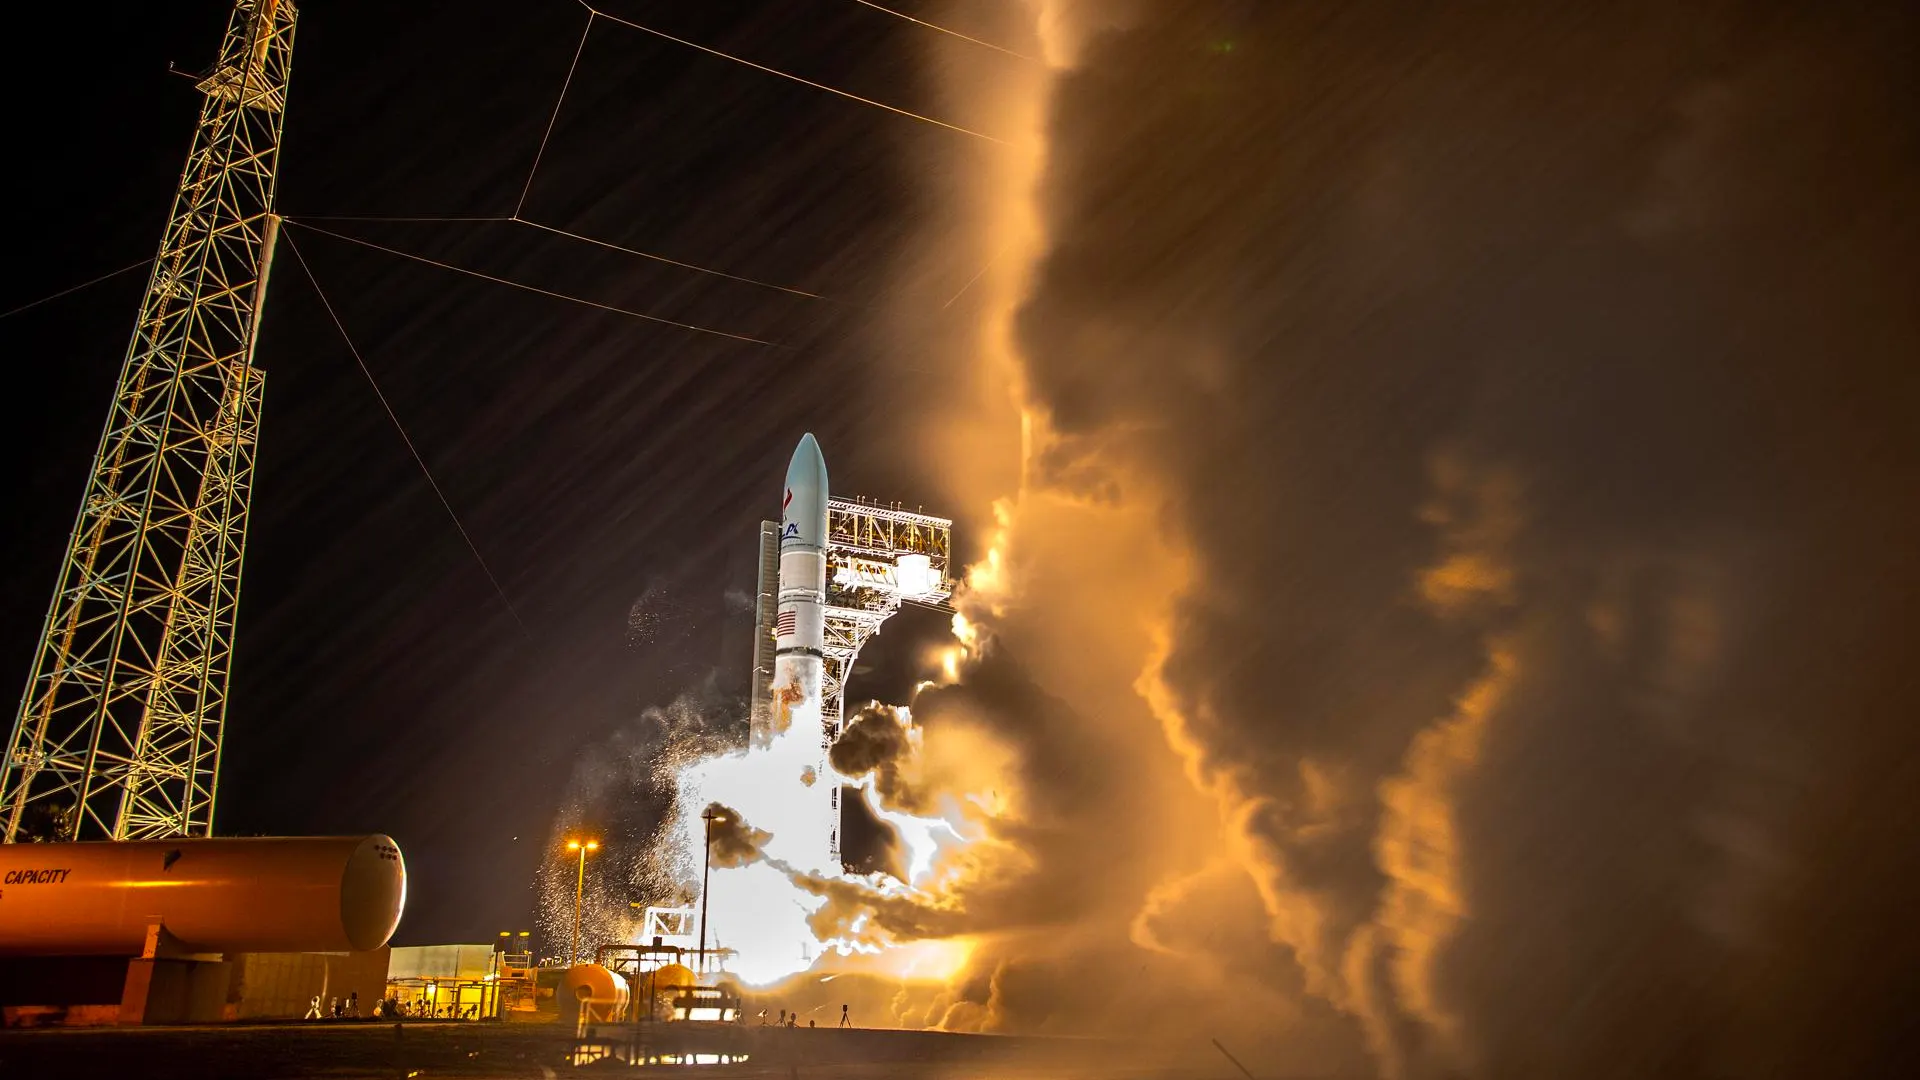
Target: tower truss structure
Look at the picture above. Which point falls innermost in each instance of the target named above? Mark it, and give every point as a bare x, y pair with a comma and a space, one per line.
119, 729
874, 564
878, 558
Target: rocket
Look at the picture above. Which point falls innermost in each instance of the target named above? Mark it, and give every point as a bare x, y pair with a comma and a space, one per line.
799, 655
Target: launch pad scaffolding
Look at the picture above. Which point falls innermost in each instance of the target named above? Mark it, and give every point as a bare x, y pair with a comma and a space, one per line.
878, 558
119, 729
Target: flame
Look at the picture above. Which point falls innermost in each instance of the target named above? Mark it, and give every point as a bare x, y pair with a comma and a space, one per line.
759, 911
754, 909
923, 837
930, 961
965, 631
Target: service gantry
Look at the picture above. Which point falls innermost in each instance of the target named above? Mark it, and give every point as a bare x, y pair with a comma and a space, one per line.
119, 729
878, 558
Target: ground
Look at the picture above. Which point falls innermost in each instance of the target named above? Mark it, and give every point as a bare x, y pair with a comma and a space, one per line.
348, 1050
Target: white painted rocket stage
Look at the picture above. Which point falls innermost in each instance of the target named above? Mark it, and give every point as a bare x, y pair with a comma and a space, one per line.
800, 630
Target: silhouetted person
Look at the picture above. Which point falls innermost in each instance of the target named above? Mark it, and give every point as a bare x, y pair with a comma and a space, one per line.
782, 1022
353, 1004
844, 1020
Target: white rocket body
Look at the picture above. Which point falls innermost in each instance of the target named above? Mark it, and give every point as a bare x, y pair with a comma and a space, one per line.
800, 629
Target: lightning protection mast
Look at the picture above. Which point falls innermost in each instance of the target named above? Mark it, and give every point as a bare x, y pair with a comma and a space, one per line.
118, 734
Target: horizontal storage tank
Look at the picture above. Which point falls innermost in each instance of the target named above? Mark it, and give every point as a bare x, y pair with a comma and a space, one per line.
594, 990
253, 894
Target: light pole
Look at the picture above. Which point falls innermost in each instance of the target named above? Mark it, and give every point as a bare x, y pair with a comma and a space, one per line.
706, 871
580, 888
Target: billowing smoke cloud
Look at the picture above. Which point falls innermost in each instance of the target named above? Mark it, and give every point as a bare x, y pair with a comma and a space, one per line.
733, 841
1459, 551
878, 741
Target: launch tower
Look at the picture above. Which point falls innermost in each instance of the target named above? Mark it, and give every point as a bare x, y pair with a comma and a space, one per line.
119, 729
878, 558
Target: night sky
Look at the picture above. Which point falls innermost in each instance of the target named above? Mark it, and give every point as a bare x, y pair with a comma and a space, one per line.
596, 459
1453, 606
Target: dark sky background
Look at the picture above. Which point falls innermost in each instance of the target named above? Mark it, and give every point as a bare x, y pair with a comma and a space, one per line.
380, 684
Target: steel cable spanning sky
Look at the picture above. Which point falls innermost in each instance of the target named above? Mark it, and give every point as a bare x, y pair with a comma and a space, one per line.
387, 407
743, 338
553, 118
894, 109
307, 221
533, 171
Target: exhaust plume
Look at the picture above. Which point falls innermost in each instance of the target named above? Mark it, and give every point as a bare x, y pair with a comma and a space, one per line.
732, 842
1448, 484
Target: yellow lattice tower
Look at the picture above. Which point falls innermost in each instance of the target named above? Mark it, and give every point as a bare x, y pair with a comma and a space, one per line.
119, 729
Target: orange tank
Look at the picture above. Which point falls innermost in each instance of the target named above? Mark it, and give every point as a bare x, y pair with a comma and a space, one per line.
264, 894
594, 989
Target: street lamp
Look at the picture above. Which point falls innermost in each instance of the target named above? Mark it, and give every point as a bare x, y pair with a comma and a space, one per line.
706, 870
580, 887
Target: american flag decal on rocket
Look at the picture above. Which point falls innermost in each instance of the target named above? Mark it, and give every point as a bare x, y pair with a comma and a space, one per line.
784, 625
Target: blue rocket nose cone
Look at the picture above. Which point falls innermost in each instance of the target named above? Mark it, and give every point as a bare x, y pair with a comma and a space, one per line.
808, 469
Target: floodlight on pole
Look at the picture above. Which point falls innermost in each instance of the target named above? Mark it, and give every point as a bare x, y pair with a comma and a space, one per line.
706, 873
580, 889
